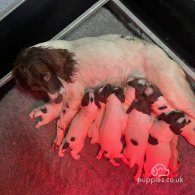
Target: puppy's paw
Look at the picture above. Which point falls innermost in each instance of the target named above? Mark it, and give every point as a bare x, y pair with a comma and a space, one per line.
114, 163
99, 156
38, 112
75, 156
33, 113
125, 160
40, 116
61, 153
54, 146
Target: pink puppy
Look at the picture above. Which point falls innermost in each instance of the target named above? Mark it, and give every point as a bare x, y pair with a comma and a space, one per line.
112, 124
94, 130
139, 123
170, 123
79, 126
158, 151
159, 105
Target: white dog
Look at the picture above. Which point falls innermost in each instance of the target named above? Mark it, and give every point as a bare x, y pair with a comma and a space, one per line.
89, 62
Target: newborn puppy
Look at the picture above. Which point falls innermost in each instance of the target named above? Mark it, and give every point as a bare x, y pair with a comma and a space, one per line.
139, 123
79, 126
101, 94
159, 105
111, 126
158, 150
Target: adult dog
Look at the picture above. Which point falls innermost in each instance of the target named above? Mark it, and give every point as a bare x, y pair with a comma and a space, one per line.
68, 68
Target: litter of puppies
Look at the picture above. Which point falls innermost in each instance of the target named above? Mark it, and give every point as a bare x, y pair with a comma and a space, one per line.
140, 115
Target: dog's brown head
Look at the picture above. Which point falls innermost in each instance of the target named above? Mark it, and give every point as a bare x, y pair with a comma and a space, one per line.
39, 69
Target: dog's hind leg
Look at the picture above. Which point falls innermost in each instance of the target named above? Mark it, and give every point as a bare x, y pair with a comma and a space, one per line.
171, 80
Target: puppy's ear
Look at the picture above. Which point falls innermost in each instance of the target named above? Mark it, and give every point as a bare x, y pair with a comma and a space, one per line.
119, 92
177, 126
97, 103
85, 100
60, 61
152, 93
103, 93
107, 91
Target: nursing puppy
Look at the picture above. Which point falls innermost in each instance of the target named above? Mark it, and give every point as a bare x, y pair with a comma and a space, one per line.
101, 94
139, 123
88, 62
112, 125
160, 107
79, 126
158, 150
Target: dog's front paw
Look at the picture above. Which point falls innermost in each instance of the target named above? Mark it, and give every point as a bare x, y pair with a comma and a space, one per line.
40, 115
54, 146
46, 113
75, 155
61, 153
114, 163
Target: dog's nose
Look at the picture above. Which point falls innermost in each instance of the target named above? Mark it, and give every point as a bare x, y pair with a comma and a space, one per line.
58, 99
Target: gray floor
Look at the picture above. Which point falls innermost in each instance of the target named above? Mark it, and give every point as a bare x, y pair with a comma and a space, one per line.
6, 6
27, 165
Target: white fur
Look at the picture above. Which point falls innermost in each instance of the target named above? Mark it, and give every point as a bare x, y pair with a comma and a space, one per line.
110, 130
53, 111
113, 59
188, 131
138, 126
94, 130
79, 128
160, 153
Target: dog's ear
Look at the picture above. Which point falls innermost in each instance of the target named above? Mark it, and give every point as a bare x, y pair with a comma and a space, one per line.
85, 100
119, 92
152, 93
103, 92
62, 63
59, 61
97, 103
107, 91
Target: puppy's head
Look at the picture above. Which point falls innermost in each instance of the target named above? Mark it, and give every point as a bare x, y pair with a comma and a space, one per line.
119, 93
139, 84
103, 93
39, 69
156, 100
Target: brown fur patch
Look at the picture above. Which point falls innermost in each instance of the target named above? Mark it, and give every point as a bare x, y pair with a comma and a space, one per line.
33, 65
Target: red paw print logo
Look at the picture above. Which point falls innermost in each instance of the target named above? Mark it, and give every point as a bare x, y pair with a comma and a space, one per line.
159, 170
